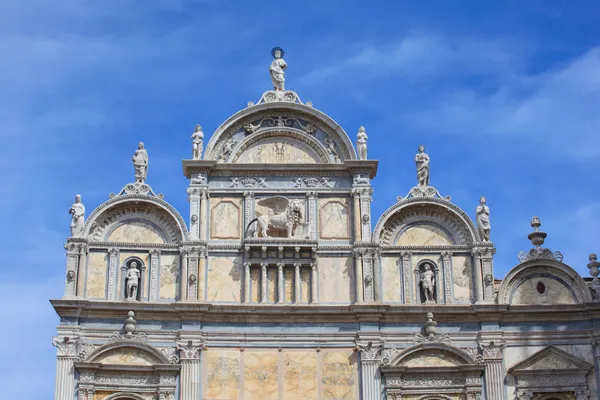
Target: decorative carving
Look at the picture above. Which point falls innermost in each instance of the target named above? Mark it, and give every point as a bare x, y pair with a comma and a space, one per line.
286, 215
77, 212
277, 69
369, 352
248, 182
227, 149
431, 335
422, 160
189, 351
133, 276
197, 143
427, 283
492, 350
171, 354
537, 238
359, 179
198, 179
332, 150
86, 350
66, 346
474, 353
483, 220
140, 163
313, 182
129, 327
361, 143
406, 275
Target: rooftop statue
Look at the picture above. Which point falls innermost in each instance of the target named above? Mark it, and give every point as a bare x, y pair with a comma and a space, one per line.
140, 163
483, 220
77, 212
361, 143
277, 69
197, 143
422, 160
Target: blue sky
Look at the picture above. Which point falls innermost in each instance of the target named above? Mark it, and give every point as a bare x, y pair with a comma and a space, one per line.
506, 97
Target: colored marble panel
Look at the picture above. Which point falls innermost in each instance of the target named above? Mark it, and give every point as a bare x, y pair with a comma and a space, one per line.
305, 285
261, 375
431, 359
300, 375
336, 279
288, 278
225, 218
334, 219
136, 232
255, 284
272, 285
462, 277
424, 235
169, 276
96, 275
222, 375
391, 279
339, 375
224, 279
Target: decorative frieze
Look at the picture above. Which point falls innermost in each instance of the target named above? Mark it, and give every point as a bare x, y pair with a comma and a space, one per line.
447, 265
154, 267
406, 277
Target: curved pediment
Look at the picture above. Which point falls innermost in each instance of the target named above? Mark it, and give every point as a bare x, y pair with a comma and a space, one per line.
128, 353
280, 147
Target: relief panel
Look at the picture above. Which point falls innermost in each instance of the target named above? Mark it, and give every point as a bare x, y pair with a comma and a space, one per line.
169, 276
336, 276
339, 375
261, 375
222, 374
136, 232
424, 235
96, 275
462, 271
225, 218
334, 219
300, 375
279, 150
224, 279
391, 279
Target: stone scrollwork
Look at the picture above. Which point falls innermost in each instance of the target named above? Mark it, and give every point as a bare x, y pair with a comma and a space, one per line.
248, 182
171, 354
66, 346
537, 238
313, 182
370, 352
189, 351
492, 350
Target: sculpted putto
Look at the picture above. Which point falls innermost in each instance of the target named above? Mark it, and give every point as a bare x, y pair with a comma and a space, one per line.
361, 143
227, 149
140, 163
422, 160
77, 212
483, 220
197, 143
427, 281
133, 277
287, 215
277, 69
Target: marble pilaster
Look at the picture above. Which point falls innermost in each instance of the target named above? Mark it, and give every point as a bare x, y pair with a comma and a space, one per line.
280, 298
494, 371
297, 283
154, 267
189, 356
370, 359
113, 261
406, 276
358, 255
313, 283
247, 297
263, 283
65, 371
74, 251
447, 266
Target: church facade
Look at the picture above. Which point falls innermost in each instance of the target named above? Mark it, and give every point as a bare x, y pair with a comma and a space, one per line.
279, 283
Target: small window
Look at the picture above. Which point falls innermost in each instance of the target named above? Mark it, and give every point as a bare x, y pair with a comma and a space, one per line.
541, 288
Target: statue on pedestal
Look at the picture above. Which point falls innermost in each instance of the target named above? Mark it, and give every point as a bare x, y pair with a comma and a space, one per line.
277, 69
77, 212
427, 281
483, 220
140, 163
422, 160
133, 278
197, 143
361, 143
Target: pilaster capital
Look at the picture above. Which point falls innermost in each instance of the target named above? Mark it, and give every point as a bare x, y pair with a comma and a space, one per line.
113, 251
492, 350
484, 252
370, 352
248, 194
312, 194
190, 350
280, 265
446, 254
155, 253
66, 346
405, 255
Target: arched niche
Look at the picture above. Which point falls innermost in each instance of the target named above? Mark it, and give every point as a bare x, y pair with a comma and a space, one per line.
425, 222
543, 281
135, 219
311, 130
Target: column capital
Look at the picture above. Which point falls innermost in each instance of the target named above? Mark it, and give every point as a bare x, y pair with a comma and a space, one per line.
280, 265
66, 346
370, 352
154, 252
190, 350
492, 350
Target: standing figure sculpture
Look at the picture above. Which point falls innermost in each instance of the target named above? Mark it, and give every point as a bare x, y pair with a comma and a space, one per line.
77, 212
361, 143
277, 69
427, 281
422, 160
227, 149
140, 163
483, 220
331, 150
133, 279
197, 143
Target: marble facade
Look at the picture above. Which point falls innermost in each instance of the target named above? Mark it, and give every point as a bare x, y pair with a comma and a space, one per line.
283, 285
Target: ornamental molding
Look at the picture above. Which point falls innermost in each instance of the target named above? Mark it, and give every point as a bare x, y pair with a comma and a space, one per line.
313, 182
189, 350
275, 96
259, 182
105, 209
66, 346
136, 189
539, 254
423, 191
370, 352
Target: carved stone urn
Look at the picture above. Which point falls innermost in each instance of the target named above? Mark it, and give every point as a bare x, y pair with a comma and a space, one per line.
430, 326
130, 322
593, 266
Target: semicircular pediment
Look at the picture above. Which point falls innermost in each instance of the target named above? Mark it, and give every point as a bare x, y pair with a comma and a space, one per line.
281, 147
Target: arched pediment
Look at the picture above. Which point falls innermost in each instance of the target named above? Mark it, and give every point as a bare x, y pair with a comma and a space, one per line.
425, 222
135, 219
128, 353
543, 281
432, 355
307, 133
124, 396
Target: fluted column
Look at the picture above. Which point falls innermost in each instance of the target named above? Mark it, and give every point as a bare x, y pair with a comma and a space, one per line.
494, 371
370, 359
296, 283
263, 283
189, 355
313, 283
246, 282
65, 372
280, 298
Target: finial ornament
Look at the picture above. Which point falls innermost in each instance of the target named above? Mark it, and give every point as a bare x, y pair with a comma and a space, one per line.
277, 69
140, 163
422, 160
361, 143
431, 335
197, 143
77, 212
483, 219
537, 238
